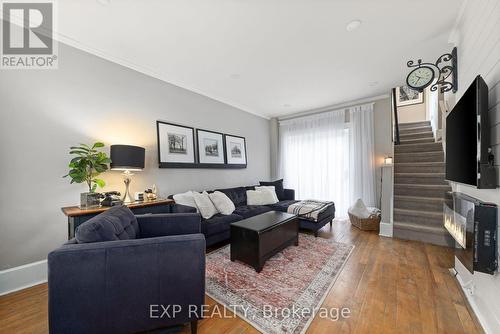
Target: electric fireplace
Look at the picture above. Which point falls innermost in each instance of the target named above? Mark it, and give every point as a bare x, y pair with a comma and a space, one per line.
473, 225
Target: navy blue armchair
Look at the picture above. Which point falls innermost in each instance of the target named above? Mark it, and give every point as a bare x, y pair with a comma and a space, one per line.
122, 272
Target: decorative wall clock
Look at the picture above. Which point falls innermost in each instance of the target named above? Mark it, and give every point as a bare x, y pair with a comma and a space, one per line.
424, 74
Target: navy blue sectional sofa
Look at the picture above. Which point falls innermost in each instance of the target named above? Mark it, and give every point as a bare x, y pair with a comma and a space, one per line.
217, 228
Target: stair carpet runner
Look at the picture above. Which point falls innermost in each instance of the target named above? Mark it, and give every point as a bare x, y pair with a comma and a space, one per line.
419, 186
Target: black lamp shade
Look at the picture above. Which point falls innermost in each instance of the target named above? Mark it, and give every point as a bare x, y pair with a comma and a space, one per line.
127, 157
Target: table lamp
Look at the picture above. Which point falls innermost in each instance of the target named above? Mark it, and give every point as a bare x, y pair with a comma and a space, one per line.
128, 159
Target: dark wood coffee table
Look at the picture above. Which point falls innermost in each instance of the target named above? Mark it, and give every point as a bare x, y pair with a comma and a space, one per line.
254, 240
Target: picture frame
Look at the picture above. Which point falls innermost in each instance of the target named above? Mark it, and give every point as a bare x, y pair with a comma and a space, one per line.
211, 148
406, 96
176, 145
236, 151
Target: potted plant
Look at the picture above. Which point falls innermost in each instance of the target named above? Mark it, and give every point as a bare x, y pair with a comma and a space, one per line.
85, 167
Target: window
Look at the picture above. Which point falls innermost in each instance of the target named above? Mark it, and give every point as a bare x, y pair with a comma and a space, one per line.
323, 157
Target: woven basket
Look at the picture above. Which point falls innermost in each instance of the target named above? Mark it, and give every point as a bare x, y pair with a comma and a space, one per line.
371, 223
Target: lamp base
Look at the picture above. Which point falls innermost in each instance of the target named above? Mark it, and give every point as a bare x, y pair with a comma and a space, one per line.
126, 197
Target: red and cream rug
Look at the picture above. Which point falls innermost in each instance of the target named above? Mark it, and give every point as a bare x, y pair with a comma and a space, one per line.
285, 296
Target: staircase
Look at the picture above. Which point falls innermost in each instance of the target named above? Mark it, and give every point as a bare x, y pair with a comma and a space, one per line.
419, 186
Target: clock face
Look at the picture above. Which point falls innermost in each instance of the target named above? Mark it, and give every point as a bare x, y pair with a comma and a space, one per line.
420, 77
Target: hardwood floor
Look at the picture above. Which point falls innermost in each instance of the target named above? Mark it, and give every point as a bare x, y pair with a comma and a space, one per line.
390, 286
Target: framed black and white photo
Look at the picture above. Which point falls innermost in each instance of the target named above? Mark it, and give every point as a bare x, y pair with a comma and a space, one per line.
210, 147
236, 151
406, 96
175, 145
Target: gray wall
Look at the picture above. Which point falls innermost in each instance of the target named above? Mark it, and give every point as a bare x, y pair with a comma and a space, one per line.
90, 99
383, 140
413, 112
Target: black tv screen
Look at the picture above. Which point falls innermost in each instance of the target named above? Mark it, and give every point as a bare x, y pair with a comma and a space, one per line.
467, 135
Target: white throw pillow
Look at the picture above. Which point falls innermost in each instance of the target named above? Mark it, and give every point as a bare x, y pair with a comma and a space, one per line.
186, 198
222, 203
253, 197
359, 209
271, 189
260, 197
205, 205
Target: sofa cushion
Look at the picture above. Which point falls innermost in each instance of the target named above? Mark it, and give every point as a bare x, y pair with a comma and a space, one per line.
117, 223
261, 197
205, 206
269, 189
278, 187
237, 195
218, 223
282, 205
222, 203
186, 198
247, 211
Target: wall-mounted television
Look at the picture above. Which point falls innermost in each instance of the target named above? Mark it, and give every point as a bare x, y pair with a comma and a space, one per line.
468, 139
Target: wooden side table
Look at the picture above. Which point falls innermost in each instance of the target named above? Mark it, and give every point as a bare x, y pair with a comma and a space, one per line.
77, 216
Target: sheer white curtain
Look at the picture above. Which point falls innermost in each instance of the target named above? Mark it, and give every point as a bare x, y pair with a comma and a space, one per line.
362, 154
314, 157
323, 157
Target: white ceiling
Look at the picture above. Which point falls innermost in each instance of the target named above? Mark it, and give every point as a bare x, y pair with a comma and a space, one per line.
267, 57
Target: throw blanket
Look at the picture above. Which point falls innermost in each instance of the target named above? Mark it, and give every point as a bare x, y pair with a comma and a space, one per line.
309, 209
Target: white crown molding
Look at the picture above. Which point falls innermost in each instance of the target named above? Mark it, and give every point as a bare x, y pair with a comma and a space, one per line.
149, 72
61, 38
335, 107
22, 277
152, 73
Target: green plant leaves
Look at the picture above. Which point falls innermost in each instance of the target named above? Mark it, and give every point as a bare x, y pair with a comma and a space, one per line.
100, 182
87, 165
75, 160
80, 152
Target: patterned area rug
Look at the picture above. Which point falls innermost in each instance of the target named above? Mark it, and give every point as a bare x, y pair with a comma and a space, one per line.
287, 293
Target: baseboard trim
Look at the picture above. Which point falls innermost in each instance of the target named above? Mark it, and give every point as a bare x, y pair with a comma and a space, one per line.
385, 230
22, 277
472, 303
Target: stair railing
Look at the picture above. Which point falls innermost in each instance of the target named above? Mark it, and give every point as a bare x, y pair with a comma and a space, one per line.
396, 122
